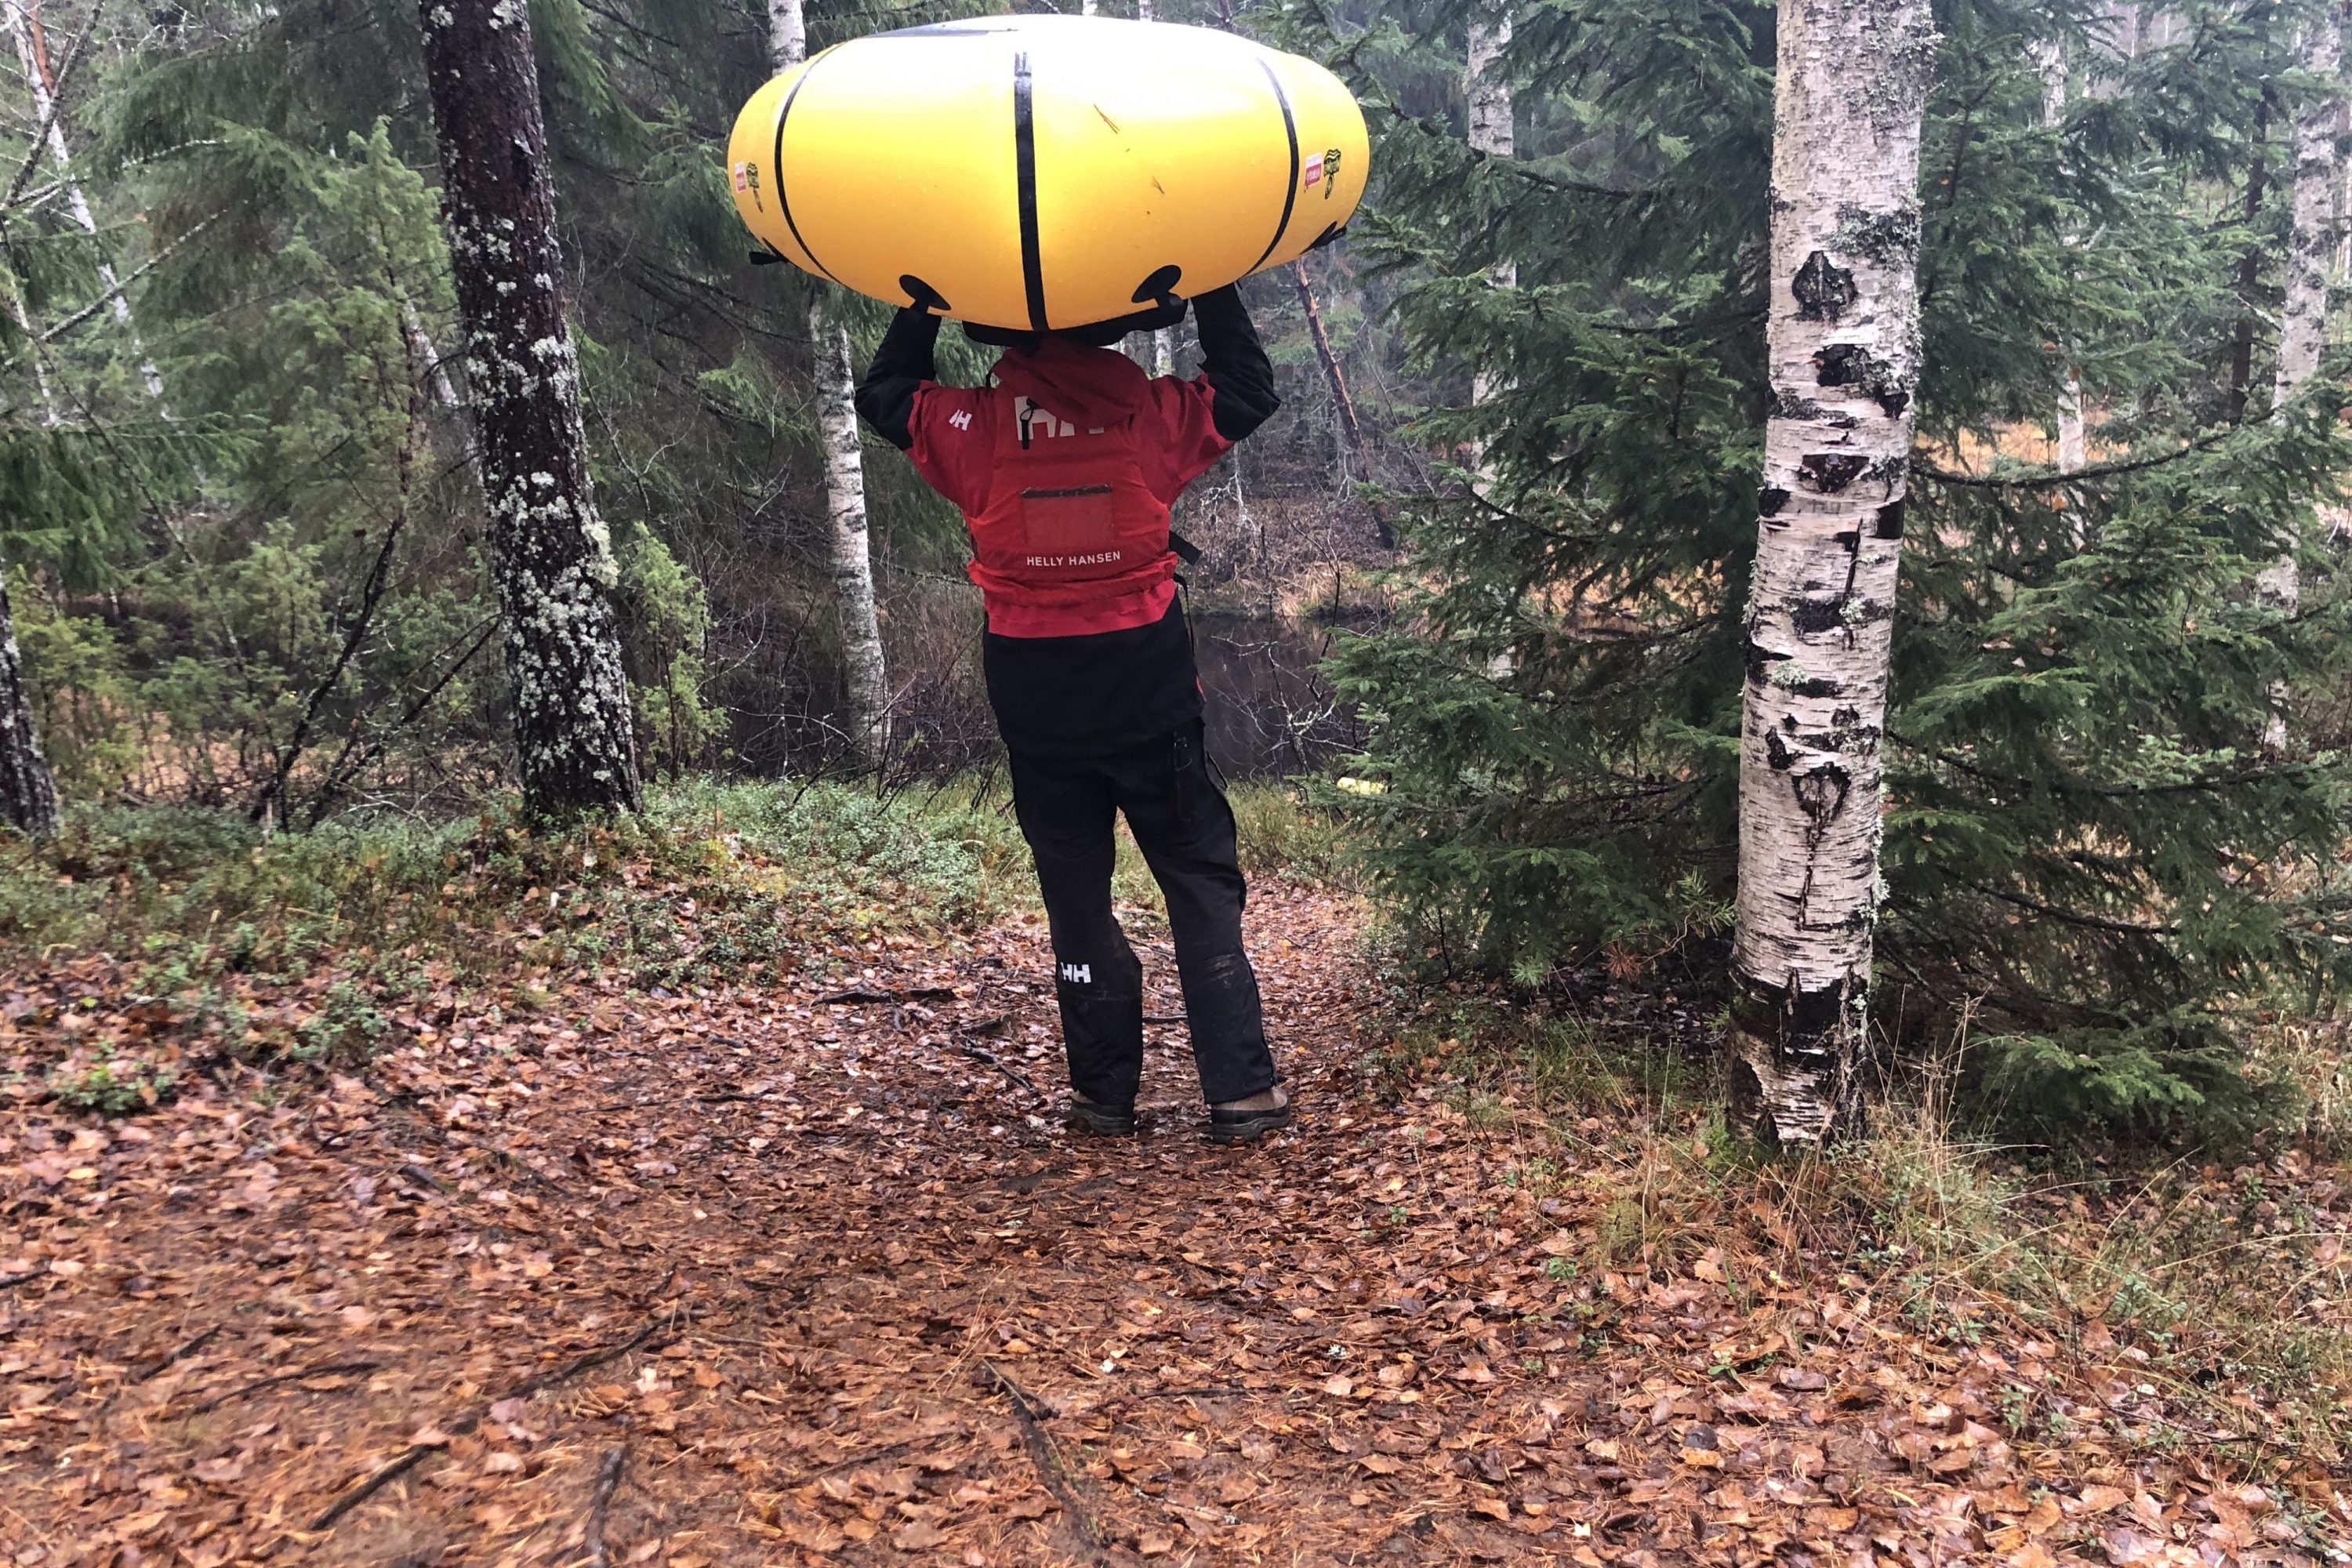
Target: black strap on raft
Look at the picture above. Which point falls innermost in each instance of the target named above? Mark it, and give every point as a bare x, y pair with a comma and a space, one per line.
1186, 550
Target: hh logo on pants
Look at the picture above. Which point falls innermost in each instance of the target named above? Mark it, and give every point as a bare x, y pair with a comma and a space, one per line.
1078, 974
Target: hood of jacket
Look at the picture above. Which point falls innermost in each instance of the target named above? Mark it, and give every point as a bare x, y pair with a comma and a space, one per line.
1074, 381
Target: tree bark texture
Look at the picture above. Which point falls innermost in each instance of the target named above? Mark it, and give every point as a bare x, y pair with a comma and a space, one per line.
29, 53
2250, 267
2073, 448
2303, 321
2302, 316
1486, 97
552, 556
28, 795
1844, 345
1351, 430
865, 683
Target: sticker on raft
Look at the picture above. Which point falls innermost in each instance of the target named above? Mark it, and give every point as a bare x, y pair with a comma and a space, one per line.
747, 178
1315, 169
1331, 161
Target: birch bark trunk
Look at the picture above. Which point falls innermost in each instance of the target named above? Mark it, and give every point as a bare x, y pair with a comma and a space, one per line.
1489, 128
1155, 352
1843, 347
1486, 97
21, 25
2303, 319
865, 683
552, 557
28, 795
2072, 449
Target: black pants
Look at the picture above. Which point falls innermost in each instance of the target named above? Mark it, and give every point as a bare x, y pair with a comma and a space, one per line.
1185, 829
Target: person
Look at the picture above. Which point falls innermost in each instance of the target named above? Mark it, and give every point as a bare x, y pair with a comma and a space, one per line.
1064, 469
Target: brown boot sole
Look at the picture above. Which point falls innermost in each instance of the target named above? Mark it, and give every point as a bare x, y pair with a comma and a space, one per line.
1245, 1126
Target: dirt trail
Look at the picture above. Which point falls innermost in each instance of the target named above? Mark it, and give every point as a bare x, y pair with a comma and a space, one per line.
770, 1277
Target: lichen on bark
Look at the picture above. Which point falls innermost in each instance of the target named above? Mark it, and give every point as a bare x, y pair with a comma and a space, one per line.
551, 561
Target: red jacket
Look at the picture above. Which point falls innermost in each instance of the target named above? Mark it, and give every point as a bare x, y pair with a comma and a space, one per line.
1064, 471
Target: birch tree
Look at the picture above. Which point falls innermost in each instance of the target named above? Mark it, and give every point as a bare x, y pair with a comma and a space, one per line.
1842, 342
865, 684
1486, 99
552, 557
2072, 449
39, 77
28, 796
2310, 251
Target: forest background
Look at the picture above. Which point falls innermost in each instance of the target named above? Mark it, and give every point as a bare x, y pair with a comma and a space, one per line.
1478, 621
1511, 497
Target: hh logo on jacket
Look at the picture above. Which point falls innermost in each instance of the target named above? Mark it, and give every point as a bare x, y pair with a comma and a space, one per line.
1078, 974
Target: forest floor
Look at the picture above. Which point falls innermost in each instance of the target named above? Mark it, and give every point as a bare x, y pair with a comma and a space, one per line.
808, 1272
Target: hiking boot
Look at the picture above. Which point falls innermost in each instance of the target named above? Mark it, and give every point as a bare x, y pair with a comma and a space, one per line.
1103, 1121
1247, 1121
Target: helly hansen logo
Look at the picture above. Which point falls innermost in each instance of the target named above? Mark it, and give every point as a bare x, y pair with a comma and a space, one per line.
961, 419
1037, 421
1078, 974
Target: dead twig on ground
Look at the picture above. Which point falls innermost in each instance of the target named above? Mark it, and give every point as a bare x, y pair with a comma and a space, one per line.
608, 1481
417, 1453
1051, 1470
867, 994
8, 1282
324, 1369
1000, 1065
173, 1356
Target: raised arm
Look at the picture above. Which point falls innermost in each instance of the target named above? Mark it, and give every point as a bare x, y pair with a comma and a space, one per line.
907, 359
1233, 363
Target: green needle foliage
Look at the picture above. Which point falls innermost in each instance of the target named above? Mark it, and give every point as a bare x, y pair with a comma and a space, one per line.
2092, 854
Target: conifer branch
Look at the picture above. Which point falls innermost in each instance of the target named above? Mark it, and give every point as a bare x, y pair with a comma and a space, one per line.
2204, 443
105, 297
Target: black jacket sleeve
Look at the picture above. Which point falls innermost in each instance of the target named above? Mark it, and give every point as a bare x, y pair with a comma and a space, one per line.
907, 359
1233, 363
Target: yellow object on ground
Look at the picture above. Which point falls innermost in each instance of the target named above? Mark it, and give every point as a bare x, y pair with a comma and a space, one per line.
1047, 172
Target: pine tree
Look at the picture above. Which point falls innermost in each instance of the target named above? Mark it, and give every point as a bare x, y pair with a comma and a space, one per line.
1844, 343
866, 685
552, 559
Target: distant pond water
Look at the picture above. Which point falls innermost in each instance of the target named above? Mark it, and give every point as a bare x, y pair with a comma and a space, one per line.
1271, 710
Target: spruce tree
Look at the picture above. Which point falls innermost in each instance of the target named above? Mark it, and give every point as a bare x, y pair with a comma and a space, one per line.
2088, 851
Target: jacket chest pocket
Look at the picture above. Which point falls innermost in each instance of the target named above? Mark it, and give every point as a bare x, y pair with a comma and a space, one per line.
1070, 521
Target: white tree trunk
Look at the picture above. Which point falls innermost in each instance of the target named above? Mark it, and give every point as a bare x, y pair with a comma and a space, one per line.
2050, 55
28, 796
865, 686
1159, 356
2310, 250
1843, 344
2303, 319
1486, 97
429, 363
865, 681
46, 115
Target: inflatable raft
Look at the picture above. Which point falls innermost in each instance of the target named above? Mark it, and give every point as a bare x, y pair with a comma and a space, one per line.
1047, 171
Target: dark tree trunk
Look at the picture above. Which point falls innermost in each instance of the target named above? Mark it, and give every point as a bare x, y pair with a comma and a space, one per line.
28, 796
551, 555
